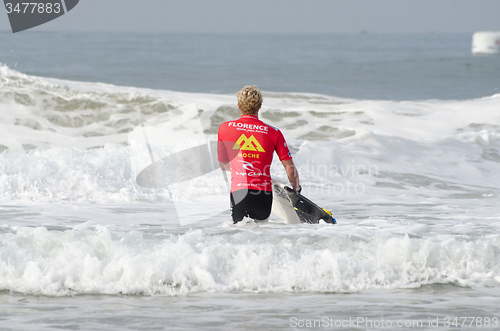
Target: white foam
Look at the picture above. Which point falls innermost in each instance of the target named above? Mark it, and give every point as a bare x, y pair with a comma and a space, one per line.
97, 260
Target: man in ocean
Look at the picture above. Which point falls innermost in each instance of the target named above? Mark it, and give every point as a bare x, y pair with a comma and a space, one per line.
246, 148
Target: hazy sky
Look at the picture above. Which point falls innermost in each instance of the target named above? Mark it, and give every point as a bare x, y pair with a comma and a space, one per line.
277, 16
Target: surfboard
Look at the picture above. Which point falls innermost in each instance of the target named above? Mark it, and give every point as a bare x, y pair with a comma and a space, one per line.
293, 208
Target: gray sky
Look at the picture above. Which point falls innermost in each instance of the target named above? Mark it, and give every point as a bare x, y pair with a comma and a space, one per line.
277, 16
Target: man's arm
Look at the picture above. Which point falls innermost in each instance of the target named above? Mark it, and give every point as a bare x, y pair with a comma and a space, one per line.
224, 166
292, 173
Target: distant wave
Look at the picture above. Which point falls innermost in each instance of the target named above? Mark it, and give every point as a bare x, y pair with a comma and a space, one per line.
429, 144
39, 113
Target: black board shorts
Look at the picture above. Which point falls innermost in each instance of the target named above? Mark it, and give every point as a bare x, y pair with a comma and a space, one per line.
255, 204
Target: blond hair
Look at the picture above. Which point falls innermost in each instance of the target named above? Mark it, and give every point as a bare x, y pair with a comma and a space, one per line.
249, 99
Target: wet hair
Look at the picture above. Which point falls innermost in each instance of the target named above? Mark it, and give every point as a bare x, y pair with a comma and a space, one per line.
249, 99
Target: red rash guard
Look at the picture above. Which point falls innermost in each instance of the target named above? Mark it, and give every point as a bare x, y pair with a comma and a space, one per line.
248, 144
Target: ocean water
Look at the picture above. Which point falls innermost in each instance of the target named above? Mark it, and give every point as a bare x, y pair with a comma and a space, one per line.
397, 135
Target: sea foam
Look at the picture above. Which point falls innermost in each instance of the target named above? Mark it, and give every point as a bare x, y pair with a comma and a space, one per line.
97, 260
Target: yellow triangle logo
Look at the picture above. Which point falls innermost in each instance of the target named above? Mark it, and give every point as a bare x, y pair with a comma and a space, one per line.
248, 144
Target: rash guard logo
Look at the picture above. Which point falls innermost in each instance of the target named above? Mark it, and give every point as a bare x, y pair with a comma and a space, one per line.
248, 166
248, 144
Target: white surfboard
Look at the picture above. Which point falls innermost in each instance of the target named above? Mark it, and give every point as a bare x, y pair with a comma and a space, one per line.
293, 208
282, 205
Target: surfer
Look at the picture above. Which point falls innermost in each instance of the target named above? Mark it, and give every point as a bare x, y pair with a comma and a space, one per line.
245, 148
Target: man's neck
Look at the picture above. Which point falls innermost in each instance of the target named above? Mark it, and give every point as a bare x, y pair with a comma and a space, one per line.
250, 116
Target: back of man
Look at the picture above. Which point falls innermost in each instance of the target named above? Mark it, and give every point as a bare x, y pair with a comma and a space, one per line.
246, 148
249, 145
